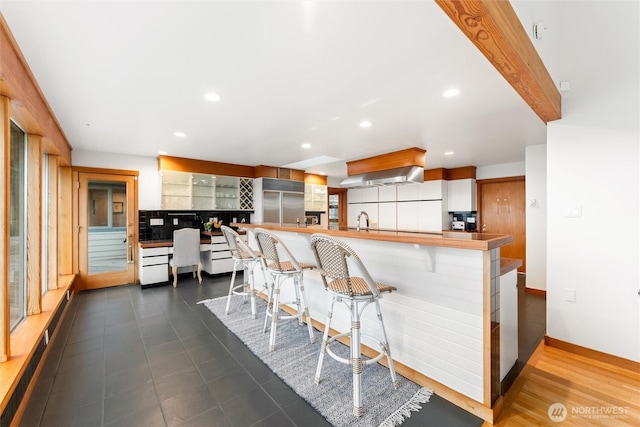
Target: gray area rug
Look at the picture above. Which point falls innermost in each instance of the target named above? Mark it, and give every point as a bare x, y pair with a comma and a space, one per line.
295, 359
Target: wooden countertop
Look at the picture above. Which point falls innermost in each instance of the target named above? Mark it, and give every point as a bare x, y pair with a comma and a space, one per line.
476, 241
508, 264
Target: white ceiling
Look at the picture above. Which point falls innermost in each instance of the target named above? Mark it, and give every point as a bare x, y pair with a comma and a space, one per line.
123, 76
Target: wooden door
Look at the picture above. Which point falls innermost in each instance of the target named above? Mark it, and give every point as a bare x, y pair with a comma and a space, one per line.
107, 229
502, 211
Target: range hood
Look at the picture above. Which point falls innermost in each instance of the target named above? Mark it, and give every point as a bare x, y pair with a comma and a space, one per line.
397, 176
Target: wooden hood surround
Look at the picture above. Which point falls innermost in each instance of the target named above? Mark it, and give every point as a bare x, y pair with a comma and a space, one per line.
398, 159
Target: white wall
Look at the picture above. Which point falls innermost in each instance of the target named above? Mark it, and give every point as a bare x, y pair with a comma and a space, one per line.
148, 180
500, 170
536, 214
593, 164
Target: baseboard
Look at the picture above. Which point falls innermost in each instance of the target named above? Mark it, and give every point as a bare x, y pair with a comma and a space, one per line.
593, 354
539, 292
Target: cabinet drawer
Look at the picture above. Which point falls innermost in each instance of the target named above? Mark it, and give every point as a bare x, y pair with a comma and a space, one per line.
155, 260
154, 274
154, 251
219, 247
220, 255
218, 239
222, 266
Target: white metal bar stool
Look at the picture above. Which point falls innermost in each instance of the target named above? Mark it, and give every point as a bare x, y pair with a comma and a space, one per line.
356, 292
273, 250
242, 253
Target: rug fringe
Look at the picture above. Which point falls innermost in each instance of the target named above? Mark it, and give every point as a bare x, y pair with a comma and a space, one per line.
413, 405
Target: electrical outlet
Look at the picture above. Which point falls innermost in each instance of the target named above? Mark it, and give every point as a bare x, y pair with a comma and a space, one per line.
175, 221
573, 211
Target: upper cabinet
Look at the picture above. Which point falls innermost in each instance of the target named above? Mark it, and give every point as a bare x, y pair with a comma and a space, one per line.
185, 190
316, 198
462, 195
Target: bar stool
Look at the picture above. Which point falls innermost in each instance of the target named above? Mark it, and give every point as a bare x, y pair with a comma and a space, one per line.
242, 254
334, 258
272, 250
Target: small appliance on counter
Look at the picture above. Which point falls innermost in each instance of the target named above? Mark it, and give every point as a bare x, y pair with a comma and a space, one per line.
457, 225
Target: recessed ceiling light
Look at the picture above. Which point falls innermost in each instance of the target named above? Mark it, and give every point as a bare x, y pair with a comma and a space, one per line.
212, 96
180, 134
365, 124
322, 173
450, 92
306, 145
448, 153
162, 153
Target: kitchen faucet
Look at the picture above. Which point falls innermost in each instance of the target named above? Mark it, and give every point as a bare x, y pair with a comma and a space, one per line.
366, 216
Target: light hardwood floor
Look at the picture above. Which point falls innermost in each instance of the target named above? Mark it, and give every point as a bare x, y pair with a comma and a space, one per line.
594, 393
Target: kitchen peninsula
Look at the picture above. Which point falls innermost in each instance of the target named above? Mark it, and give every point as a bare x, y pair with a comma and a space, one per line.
452, 324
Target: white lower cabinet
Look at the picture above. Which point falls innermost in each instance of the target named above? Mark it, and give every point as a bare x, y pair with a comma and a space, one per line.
153, 265
217, 260
430, 216
508, 321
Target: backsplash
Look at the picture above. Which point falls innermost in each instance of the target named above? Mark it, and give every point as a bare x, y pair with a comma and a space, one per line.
159, 225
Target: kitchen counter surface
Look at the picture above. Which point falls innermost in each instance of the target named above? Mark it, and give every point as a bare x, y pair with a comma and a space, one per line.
477, 241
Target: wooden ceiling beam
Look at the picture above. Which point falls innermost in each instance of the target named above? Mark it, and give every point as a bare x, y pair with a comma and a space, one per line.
495, 29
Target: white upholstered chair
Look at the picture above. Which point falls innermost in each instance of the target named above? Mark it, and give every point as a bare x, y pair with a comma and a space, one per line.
347, 281
186, 252
282, 265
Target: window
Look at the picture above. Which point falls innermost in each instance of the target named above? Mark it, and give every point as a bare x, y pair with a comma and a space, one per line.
17, 226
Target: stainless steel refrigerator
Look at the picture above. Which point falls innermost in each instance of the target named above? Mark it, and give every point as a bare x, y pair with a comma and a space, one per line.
279, 201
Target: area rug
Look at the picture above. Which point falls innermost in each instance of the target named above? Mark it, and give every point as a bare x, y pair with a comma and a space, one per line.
295, 359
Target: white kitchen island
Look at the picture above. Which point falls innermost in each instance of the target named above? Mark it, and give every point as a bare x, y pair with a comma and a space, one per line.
444, 324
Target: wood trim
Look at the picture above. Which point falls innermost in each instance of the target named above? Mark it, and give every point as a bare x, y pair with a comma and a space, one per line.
495, 29
538, 292
29, 106
5, 320
294, 174
503, 179
124, 172
34, 223
342, 194
408, 157
66, 244
465, 172
52, 223
435, 174
592, 354
262, 171
181, 164
311, 178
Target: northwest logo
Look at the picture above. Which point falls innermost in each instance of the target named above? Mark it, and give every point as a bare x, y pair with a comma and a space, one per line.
557, 412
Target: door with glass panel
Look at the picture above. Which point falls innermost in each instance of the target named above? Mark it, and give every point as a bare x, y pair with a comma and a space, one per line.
107, 232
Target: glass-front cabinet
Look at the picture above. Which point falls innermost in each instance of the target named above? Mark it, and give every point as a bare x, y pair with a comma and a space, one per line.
186, 190
315, 198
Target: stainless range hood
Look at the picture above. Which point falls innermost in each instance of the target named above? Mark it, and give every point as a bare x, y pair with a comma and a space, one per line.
403, 175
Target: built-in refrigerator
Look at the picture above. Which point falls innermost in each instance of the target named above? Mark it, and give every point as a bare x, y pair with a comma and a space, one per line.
278, 201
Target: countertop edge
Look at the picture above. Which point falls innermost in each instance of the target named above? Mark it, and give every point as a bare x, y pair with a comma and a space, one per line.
408, 238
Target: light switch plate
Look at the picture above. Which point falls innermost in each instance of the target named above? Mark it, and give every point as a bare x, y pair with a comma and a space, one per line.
175, 221
156, 221
569, 295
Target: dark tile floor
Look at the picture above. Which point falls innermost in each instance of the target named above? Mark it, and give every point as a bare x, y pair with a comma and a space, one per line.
127, 356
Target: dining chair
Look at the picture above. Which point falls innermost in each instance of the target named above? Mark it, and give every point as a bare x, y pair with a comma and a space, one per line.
186, 252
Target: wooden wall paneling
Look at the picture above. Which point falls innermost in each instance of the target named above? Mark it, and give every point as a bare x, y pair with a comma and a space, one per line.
435, 174
65, 221
408, 157
497, 32
263, 171
29, 106
52, 223
5, 137
181, 164
464, 172
295, 174
311, 178
34, 223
